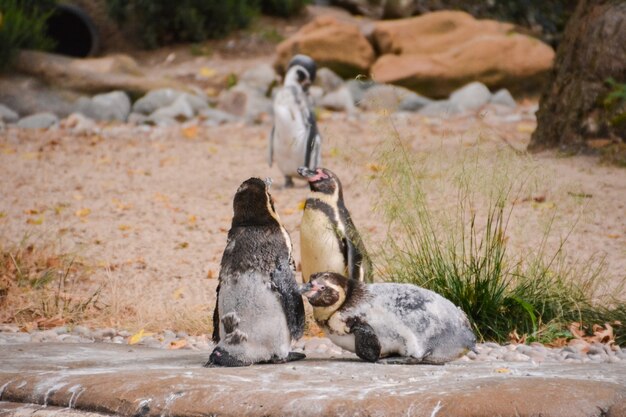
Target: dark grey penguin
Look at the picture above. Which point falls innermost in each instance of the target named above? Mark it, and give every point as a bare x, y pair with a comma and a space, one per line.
401, 322
329, 241
295, 140
259, 310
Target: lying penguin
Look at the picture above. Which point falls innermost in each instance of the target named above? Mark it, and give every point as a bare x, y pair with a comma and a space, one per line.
295, 140
400, 322
329, 241
259, 310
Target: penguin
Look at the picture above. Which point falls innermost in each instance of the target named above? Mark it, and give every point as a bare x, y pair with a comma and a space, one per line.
259, 310
388, 322
329, 241
294, 140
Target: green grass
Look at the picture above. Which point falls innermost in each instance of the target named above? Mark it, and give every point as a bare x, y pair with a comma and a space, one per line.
457, 246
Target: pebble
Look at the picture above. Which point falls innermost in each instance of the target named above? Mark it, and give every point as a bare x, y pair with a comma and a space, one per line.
578, 351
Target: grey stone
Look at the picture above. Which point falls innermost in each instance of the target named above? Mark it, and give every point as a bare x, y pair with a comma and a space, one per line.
261, 77
38, 121
245, 101
137, 118
504, 98
179, 110
328, 80
155, 99
413, 102
358, 87
70, 338
384, 96
7, 115
82, 331
338, 100
10, 328
109, 106
217, 116
79, 123
471, 97
440, 108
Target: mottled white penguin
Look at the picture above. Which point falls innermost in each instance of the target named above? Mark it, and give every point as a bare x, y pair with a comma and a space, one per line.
259, 310
295, 140
329, 241
401, 322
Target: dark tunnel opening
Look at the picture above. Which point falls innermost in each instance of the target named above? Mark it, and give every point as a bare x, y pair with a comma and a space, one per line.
73, 32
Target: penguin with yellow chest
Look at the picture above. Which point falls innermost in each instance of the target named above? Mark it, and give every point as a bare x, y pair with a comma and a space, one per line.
329, 241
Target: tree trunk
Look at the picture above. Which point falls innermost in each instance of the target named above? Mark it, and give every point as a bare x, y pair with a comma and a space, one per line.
575, 109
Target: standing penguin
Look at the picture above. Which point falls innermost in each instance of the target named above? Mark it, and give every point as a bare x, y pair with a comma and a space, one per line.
259, 310
295, 140
329, 241
401, 322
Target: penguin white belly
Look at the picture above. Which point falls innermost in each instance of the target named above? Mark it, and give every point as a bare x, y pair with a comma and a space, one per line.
290, 136
319, 246
345, 341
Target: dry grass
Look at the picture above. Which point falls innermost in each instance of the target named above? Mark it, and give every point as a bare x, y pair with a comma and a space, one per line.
41, 287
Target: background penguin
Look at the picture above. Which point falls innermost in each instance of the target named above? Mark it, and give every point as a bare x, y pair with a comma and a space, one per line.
388, 320
329, 241
295, 140
259, 310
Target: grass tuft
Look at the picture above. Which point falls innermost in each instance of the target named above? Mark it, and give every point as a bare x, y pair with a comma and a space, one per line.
461, 251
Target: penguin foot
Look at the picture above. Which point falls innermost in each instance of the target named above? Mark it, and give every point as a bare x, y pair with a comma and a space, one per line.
295, 356
288, 182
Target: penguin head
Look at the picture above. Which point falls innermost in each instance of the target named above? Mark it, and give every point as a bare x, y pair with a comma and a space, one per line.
322, 180
305, 62
253, 205
326, 290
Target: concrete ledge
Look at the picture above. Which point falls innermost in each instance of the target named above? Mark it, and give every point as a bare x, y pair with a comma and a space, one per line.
130, 381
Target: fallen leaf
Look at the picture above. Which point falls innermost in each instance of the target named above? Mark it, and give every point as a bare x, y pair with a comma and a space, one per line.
2, 214
576, 331
136, 338
503, 370
539, 199
178, 294
37, 221
610, 235
177, 344
30, 155
208, 72
301, 205
50, 322
525, 128
374, 167
124, 227
210, 274
190, 132
182, 245
191, 220
78, 196
31, 211
84, 212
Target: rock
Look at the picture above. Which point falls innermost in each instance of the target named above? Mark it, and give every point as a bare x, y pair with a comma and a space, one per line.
358, 87
388, 9
217, 117
502, 97
261, 77
79, 123
109, 106
338, 100
413, 102
441, 108
40, 98
384, 96
337, 45
471, 97
179, 110
165, 97
436, 53
90, 75
7, 115
244, 101
328, 80
38, 121
137, 118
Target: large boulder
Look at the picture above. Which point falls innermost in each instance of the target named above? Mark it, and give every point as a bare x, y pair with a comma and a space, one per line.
437, 53
337, 45
379, 9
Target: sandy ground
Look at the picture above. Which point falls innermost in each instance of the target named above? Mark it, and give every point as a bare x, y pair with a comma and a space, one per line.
150, 207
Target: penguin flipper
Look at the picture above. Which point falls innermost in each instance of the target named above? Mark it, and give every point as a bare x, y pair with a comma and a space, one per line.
366, 342
270, 156
216, 317
359, 263
284, 284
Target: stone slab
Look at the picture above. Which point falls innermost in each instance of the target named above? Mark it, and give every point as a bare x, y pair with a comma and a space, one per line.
134, 381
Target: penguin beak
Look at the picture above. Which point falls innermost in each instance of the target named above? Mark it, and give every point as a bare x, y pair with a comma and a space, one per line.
308, 289
306, 172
